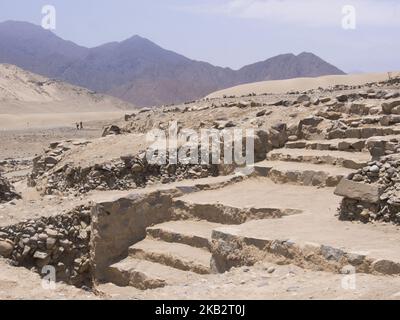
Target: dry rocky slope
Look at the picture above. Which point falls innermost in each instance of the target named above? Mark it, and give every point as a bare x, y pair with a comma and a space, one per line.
323, 157
137, 70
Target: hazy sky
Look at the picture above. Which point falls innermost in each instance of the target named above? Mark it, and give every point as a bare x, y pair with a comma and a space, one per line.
232, 32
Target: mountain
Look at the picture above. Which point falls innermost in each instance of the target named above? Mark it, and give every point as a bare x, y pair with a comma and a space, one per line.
37, 50
287, 66
137, 70
23, 92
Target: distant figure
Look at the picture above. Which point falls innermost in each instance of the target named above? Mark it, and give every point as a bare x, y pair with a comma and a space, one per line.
81, 125
77, 126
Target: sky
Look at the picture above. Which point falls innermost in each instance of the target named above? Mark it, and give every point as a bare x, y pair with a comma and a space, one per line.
356, 36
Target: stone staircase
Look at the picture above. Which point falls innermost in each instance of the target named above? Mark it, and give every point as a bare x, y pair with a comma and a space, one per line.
303, 173
321, 163
171, 252
349, 160
179, 251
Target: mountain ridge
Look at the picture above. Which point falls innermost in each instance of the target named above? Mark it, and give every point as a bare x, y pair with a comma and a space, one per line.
138, 70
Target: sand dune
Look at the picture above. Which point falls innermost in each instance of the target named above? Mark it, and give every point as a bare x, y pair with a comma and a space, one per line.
301, 84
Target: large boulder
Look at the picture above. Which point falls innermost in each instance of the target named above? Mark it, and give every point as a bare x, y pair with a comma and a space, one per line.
261, 145
308, 127
7, 192
303, 98
6, 248
389, 106
389, 120
278, 135
376, 147
111, 130
342, 98
358, 191
260, 140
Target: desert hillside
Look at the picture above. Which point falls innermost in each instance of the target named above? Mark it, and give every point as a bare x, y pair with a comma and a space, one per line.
301, 84
22, 92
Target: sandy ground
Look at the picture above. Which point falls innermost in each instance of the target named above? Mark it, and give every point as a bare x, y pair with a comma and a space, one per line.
301, 84
261, 282
266, 281
52, 120
18, 142
21, 284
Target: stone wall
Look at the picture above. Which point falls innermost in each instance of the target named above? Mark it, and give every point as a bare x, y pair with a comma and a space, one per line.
120, 223
134, 171
129, 172
61, 241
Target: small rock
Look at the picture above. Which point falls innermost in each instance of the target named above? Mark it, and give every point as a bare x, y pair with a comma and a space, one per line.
342, 98
40, 255
374, 168
271, 270
303, 99
261, 113
50, 243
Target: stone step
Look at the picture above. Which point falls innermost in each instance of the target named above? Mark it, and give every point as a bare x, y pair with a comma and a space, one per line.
362, 120
382, 120
310, 244
176, 255
350, 160
193, 233
350, 145
227, 215
306, 174
363, 132
143, 274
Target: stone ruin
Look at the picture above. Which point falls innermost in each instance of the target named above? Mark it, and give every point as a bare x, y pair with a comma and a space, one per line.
83, 245
133, 170
127, 172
